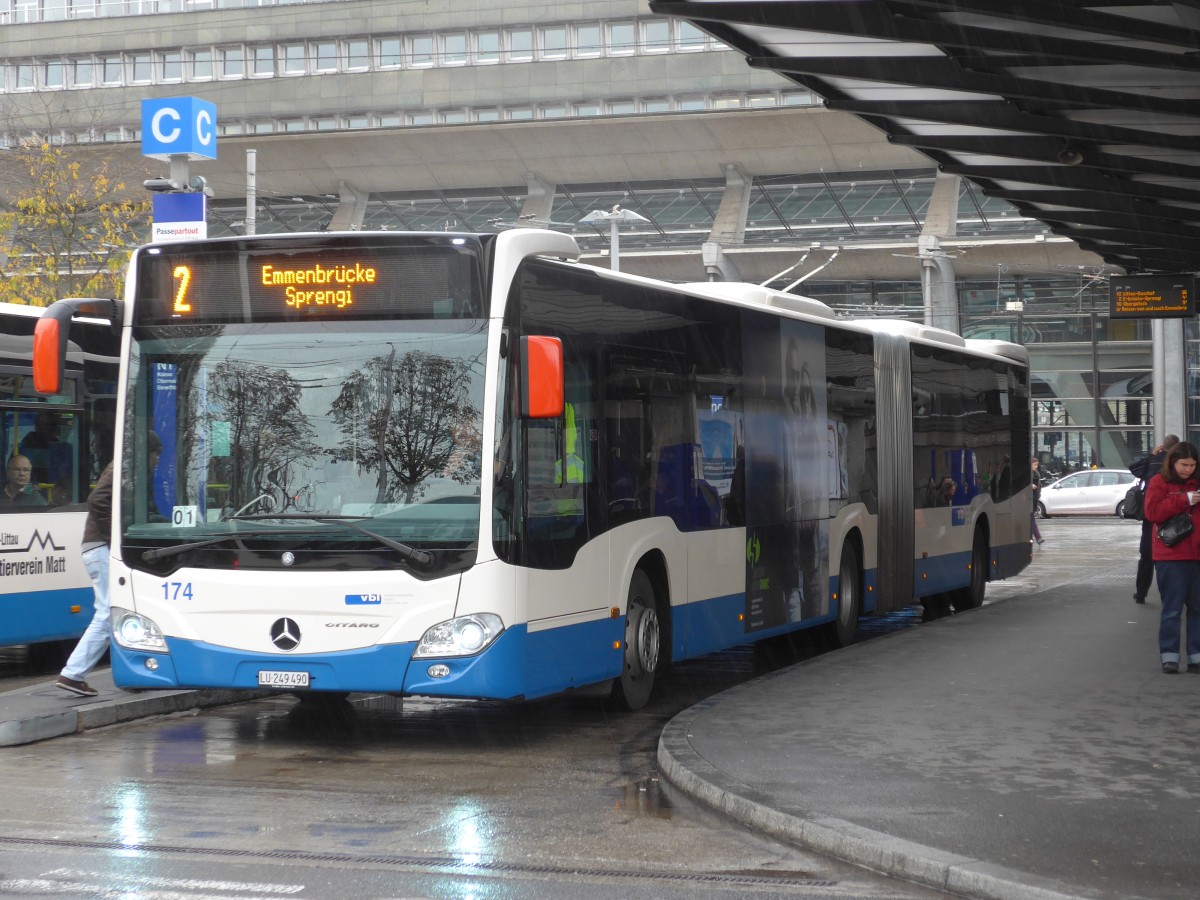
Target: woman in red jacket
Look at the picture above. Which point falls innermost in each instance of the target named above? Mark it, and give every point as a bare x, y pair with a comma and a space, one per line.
1172, 491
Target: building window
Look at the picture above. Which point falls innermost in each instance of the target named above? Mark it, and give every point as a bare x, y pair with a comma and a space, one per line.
420, 51
691, 38
760, 101
657, 105
81, 74
622, 107
656, 36
487, 115
25, 77
554, 111
201, 63
112, 73
325, 123
454, 49
391, 120
262, 128
387, 53
588, 109
292, 125
553, 42
519, 45
421, 118
326, 56
797, 98
140, 68
588, 40
358, 121
358, 55
727, 102
691, 104
453, 116
621, 39
520, 113
52, 74
170, 65
487, 47
292, 59
263, 61
233, 62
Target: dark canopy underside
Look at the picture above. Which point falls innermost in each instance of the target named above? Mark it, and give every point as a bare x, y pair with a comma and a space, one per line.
1085, 116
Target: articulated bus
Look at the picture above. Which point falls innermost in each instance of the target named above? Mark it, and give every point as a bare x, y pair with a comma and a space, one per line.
53, 448
466, 465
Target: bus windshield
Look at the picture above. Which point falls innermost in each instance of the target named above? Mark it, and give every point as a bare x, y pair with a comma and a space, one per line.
325, 442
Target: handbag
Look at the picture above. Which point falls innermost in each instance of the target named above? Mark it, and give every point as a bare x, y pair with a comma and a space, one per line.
1175, 529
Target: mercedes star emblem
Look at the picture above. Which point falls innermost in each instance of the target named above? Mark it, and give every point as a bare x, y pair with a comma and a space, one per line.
288, 558
285, 634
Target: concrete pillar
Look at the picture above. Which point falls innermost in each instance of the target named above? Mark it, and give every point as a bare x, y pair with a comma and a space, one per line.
1169, 367
539, 201
729, 225
939, 285
352, 208
939, 282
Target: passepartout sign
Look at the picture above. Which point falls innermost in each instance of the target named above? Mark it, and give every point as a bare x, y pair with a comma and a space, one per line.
1152, 296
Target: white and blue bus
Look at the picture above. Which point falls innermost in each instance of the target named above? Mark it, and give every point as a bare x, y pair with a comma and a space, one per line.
53, 449
465, 465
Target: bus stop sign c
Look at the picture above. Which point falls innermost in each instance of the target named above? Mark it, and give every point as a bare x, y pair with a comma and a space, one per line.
179, 126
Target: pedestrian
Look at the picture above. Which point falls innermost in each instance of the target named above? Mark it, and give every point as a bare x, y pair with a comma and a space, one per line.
1172, 491
1035, 482
1144, 468
97, 532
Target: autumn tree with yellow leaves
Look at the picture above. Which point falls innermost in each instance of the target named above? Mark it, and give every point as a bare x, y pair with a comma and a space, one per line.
67, 223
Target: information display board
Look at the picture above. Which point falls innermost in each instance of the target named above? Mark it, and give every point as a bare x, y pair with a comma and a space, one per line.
1152, 296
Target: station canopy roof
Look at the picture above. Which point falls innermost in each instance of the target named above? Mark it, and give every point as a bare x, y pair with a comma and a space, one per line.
1083, 115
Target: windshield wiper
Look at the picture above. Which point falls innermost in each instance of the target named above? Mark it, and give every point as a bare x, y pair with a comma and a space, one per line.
412, 554
176, 549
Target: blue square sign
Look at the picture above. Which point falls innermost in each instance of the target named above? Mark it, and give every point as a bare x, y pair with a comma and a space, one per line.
179, 126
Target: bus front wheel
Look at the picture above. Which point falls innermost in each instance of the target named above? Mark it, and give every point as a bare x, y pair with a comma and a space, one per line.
643, 644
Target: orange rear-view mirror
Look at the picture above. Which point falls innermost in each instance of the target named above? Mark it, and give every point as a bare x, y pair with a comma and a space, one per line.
541, 377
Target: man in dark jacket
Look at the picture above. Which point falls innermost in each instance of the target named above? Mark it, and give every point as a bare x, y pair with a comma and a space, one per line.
97, 532
1145, 468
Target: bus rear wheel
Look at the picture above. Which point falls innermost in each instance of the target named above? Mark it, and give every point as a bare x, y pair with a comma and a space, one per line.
845, 626
643, 645
971, 596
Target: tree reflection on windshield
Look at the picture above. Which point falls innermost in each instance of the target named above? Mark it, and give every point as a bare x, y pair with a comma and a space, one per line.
409, 418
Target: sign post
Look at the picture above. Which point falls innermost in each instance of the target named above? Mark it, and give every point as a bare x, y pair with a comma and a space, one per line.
177, 130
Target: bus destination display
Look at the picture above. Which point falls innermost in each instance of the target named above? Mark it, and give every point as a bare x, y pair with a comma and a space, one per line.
1152, 296
225, 282
315, 284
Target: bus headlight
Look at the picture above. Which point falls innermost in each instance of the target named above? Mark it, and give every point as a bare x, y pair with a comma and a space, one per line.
134, 632
459, 637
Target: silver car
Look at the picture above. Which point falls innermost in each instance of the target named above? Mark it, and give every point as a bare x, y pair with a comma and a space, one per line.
1091, 492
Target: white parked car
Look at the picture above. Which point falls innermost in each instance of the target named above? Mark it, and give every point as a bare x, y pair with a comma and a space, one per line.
1091, 492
